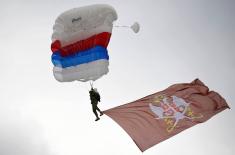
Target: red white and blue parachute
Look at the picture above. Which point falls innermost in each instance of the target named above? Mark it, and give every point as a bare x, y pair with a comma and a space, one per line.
79, 43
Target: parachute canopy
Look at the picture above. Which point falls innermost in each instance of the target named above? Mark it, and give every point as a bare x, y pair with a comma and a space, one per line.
79, 43
135, 27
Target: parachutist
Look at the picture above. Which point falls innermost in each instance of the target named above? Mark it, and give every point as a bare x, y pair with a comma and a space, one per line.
95, 98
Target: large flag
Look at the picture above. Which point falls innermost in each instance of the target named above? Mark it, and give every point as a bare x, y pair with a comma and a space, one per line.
164, 114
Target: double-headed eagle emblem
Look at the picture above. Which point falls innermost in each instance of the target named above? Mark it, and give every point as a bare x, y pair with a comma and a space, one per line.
172, 109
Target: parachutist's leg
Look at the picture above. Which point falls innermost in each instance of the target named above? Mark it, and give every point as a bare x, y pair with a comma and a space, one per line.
94, 111
101, 113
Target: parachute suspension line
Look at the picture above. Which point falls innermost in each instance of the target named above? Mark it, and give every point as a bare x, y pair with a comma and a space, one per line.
91, 84
122, 26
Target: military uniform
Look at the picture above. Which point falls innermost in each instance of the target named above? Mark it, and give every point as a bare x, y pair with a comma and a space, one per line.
95, 98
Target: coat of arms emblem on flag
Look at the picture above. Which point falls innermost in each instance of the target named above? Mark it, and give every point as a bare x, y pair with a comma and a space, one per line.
172, 109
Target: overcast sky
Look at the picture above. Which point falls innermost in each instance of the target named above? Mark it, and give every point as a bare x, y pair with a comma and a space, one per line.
179, 40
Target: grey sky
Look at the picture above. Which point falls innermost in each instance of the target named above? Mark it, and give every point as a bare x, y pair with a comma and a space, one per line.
179, 40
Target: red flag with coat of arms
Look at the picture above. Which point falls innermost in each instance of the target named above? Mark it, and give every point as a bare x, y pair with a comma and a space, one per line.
164, 114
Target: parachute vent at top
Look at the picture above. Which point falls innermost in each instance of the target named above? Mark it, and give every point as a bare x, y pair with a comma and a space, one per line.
79, 43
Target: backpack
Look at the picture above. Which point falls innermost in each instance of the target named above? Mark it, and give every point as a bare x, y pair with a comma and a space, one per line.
97, 96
